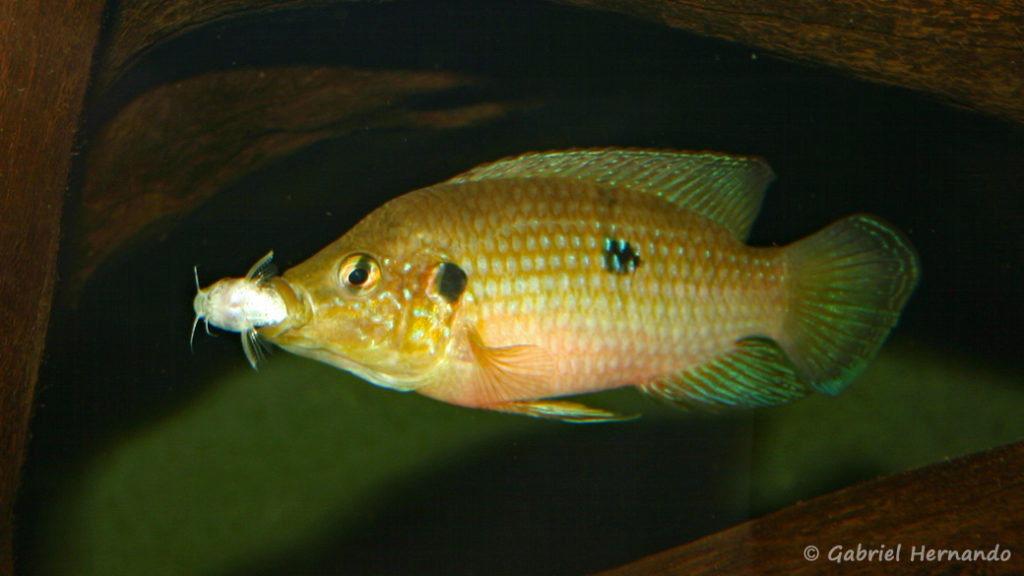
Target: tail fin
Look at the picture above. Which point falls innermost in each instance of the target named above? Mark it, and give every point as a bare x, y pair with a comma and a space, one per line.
849, 283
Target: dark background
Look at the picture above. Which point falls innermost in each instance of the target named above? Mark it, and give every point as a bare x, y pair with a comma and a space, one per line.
564, 500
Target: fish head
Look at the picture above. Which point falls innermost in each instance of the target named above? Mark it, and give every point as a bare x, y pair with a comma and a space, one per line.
382, 310
224, 304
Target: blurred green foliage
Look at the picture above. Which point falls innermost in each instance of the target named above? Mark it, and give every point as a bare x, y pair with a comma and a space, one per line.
260, 463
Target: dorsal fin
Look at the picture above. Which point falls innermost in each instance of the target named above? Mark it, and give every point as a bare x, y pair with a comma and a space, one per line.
726, 189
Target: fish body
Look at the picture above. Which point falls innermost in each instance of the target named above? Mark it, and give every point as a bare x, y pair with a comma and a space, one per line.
555, 274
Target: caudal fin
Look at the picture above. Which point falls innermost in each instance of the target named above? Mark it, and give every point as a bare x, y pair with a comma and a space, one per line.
849, 283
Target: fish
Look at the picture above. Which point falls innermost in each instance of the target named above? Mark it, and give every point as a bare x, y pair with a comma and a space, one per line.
526, 281
241, 305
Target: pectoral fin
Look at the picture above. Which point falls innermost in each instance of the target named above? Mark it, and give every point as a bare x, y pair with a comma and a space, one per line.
254, 348
560, 410
526, 371
520, 371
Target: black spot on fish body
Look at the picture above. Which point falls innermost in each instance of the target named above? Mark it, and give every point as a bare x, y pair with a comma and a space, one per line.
620, 257
451, 281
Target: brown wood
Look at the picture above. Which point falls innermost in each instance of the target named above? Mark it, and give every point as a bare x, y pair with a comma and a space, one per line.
975, 502
137, 26
181, 143
967, 51
46, 48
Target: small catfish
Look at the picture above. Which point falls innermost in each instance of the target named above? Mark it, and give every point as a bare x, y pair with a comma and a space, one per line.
548, 275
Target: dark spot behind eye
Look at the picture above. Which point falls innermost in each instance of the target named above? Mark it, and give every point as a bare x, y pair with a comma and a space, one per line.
451, 281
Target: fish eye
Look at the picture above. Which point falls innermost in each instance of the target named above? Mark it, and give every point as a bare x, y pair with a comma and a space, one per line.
358, 272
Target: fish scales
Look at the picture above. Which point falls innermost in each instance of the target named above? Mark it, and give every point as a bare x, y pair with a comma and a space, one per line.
603, 329
549, 275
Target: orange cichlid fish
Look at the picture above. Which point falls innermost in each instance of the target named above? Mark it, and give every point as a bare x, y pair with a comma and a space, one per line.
554, 274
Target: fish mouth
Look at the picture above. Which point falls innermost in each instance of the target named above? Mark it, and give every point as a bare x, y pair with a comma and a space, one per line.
289, 335
298, 306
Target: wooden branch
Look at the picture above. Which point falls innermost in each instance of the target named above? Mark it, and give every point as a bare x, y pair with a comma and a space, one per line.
46, 48
181, 143
138, 26
966, 51
975, 503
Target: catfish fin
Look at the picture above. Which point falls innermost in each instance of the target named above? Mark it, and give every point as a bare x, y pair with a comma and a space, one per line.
263, 269
755, 372
519, 371
254, 348
560, 410
723, 188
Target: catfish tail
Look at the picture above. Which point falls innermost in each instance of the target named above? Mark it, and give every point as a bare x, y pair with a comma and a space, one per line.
848, 284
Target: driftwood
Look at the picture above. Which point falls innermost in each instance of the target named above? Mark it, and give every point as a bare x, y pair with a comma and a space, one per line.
967, 52
964, 51
138, 26
45, 53
173, 148
971, 503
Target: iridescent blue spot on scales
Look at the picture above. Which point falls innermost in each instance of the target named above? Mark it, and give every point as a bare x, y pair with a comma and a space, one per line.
619, 256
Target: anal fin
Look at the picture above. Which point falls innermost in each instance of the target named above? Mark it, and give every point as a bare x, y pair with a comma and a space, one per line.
754, 373
560, 410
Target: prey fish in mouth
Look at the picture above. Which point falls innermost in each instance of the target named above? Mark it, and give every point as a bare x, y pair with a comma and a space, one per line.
555, 274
